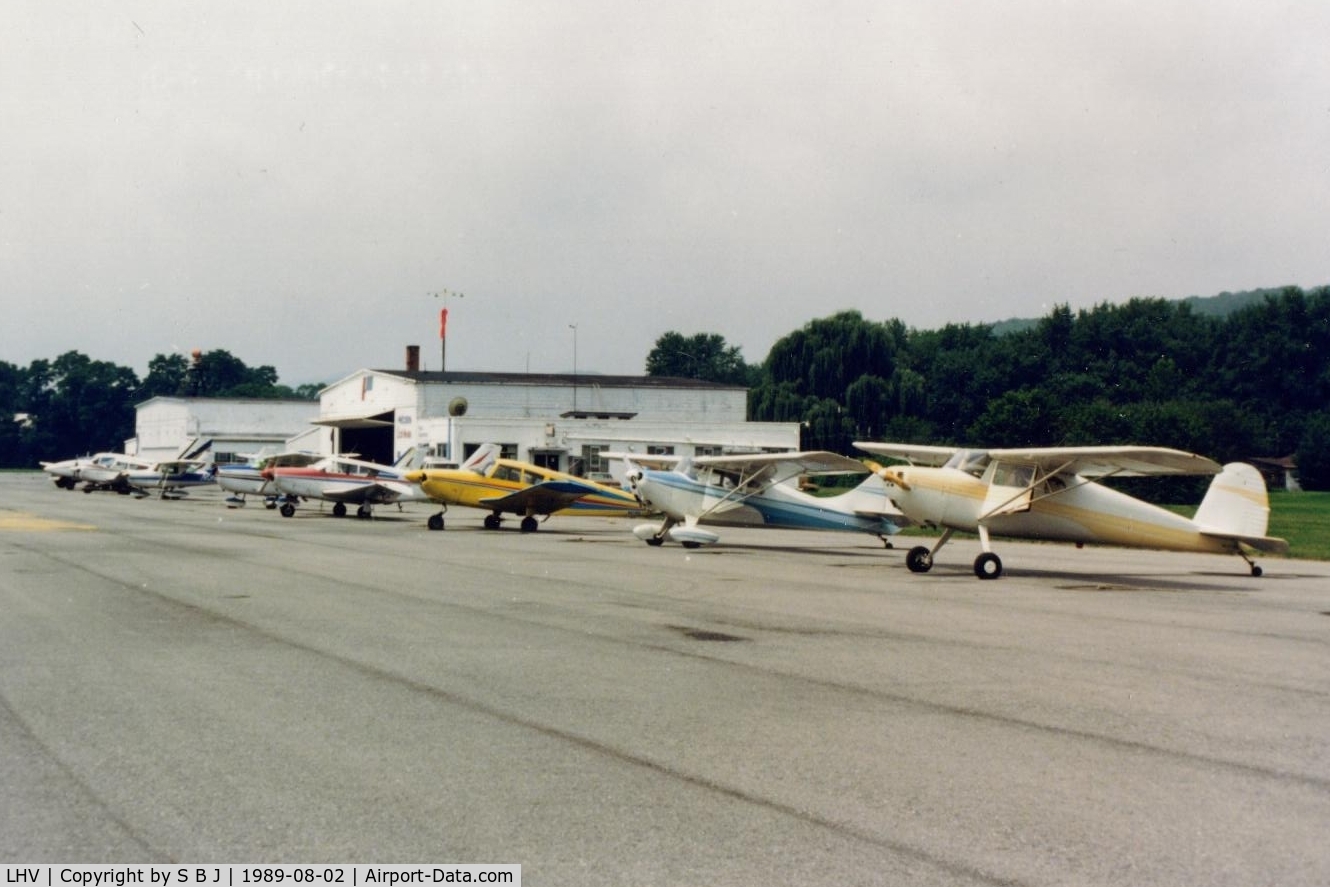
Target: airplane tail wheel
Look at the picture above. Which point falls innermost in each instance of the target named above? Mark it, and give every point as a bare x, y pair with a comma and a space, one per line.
919, 559
288, 509
988, 566
435, 522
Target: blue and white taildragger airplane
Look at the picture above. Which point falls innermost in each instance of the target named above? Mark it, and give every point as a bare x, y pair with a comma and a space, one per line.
757, 490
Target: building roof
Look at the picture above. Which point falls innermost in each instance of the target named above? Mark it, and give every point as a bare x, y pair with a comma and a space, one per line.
581, 379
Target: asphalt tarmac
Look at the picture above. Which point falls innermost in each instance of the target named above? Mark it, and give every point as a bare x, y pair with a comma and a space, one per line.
183, 682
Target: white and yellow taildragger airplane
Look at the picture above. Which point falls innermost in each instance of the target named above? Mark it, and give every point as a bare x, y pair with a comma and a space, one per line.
507, 486
1050, 493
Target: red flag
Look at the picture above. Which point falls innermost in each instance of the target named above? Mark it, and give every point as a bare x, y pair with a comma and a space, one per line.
443, 323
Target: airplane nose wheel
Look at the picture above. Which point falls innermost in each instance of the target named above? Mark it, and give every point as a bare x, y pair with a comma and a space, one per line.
988, 566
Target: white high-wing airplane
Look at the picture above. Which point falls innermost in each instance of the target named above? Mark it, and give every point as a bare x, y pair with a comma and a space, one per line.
169, 479
1050, 493
344, 481
759, 490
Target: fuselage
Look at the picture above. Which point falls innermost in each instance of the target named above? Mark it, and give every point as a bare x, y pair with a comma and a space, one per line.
465, 487
344, 480
111, 468
172, 476
1063, 508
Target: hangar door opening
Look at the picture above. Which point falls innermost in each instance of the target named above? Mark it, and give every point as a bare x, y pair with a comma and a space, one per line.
368, 437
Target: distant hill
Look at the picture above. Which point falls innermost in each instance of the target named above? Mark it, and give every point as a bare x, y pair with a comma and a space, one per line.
1221, 305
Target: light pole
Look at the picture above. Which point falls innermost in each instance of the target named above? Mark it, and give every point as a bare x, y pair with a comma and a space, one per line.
573, 327
443, 326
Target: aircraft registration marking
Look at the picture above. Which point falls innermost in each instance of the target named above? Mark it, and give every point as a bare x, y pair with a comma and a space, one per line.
29, 523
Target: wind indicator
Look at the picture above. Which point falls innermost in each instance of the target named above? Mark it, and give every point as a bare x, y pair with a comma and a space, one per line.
443, 324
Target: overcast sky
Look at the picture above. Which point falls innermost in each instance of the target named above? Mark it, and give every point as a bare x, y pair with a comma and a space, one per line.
291, 181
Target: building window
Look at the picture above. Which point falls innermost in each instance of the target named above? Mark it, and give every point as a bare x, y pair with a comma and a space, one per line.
658, 450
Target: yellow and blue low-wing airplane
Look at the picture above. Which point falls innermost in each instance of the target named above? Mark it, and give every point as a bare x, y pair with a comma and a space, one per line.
507, 486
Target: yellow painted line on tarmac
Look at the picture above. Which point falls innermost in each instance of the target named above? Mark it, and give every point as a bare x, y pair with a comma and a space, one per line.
30, 523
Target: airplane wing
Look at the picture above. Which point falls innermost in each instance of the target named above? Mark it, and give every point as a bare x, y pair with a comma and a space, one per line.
1119, 461
374, 494
649, 462
788, 464
542, 498
915, 454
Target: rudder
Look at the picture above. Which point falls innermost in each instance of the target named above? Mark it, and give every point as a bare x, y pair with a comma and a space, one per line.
1236, 503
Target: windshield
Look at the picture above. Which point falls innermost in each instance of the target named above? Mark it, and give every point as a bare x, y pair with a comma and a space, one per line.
969, 461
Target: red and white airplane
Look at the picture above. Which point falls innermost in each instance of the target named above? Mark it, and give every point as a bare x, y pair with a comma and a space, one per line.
343, 481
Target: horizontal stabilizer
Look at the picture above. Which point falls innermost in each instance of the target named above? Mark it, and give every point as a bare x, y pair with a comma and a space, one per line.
1268, 544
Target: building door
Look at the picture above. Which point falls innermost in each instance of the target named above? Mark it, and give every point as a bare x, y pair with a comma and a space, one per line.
547, 459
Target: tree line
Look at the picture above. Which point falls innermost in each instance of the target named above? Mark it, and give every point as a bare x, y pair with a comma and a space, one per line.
74, 404
1253, 382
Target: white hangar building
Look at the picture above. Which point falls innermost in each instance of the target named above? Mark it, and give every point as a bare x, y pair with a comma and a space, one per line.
167, 427
560, 421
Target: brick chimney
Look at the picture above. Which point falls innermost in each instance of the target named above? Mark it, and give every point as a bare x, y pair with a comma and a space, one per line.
413, 358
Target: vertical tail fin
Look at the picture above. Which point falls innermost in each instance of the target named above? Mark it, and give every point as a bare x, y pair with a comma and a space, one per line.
1236, 503
482, 458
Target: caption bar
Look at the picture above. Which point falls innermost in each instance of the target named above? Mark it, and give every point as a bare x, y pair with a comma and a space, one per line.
257, 875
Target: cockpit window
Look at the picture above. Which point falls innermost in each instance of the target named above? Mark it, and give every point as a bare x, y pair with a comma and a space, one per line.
970, 461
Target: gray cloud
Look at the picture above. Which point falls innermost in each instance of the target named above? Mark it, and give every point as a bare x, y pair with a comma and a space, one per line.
290, 182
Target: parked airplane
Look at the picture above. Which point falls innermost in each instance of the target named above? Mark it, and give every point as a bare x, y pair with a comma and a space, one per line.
755, 490
242, 479
169, 479
1050, 493
506, 486
342, 481
110, 471
67, 473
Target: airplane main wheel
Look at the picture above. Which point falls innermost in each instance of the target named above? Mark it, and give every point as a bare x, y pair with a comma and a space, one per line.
492, 521
1257, 571
435, 522
288, 510
919, 559
988, 566
339, 509
529, 525
656, 541
363, 512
